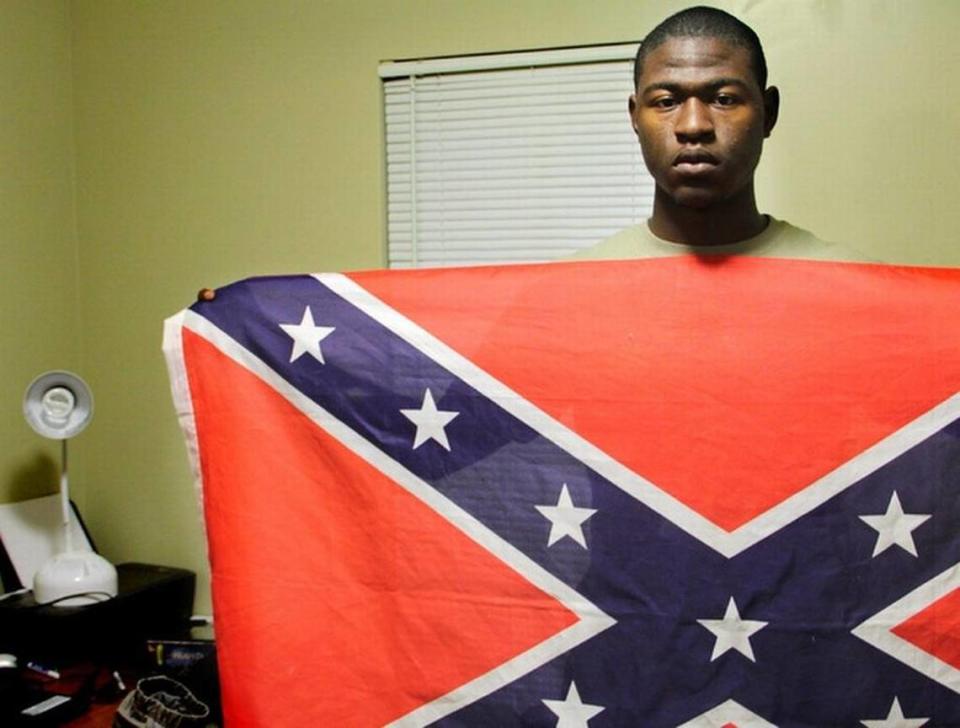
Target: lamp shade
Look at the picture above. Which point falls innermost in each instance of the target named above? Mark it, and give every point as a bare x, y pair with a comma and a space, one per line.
58, 405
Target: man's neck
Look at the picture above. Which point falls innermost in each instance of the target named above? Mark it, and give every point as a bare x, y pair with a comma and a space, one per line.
720, 224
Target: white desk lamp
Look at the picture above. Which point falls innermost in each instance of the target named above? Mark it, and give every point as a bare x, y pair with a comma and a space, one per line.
59, 405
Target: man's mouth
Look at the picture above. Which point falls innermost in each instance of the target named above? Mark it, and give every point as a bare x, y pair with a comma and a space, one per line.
695, 161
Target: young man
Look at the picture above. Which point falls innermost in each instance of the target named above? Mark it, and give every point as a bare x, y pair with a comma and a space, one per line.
701, 111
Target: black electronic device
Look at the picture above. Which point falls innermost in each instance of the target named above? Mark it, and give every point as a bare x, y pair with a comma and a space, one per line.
152, 600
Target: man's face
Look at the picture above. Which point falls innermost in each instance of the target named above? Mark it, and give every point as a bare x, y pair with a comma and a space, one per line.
701, 118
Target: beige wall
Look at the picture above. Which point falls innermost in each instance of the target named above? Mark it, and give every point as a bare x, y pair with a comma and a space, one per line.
38, 246
217, 139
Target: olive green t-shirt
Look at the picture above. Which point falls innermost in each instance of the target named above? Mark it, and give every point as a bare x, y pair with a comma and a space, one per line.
778, 240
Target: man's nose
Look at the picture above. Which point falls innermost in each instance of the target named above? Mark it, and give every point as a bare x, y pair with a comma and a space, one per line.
694, 121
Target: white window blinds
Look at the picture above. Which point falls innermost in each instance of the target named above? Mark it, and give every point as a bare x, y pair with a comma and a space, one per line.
511, 157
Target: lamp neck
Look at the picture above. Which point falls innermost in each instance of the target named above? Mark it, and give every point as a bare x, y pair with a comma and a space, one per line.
65, 499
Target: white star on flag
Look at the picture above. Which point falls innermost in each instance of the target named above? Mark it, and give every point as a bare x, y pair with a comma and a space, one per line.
732, 633
307, 337
429, 421
572, 712
895, 527
895, 719
566, 519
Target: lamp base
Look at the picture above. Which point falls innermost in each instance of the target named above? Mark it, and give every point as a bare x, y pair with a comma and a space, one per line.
75, 579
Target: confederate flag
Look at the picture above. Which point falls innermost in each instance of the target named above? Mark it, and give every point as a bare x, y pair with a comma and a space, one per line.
672, 492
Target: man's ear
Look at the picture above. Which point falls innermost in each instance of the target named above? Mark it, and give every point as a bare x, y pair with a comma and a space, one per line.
771, 109
632, 107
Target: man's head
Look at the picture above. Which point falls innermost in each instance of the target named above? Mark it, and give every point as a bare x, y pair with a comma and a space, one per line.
701, 110
704, 22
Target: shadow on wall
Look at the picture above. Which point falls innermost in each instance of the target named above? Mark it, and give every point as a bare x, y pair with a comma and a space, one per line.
35, 478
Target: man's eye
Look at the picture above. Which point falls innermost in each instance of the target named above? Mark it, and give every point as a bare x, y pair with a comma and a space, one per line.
665, 102
725, 100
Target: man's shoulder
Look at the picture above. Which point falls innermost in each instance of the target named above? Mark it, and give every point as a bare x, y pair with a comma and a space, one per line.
779, 240
789, 241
